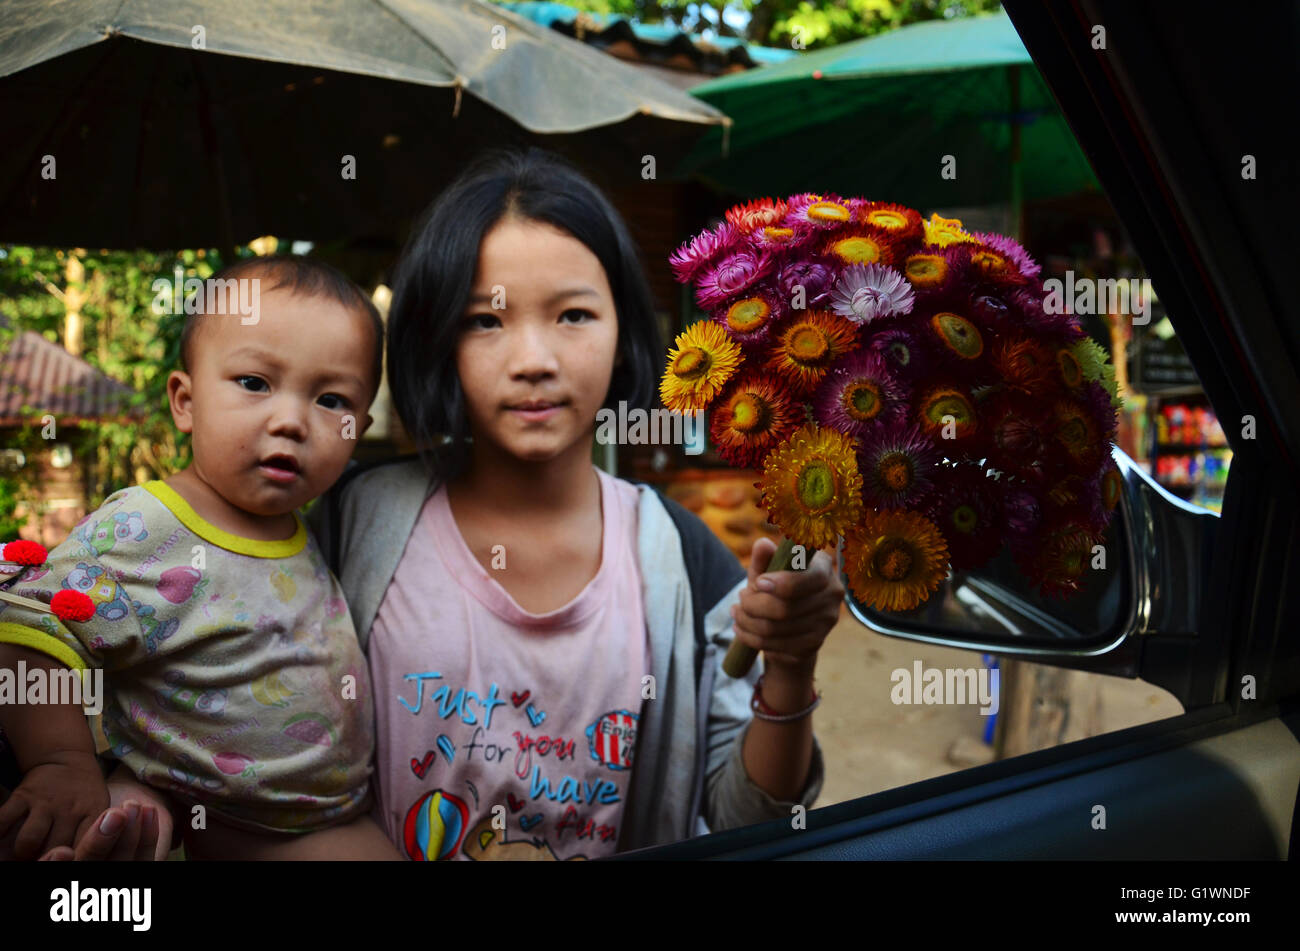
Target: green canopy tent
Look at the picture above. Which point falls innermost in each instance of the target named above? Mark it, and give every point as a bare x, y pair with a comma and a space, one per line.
876, 117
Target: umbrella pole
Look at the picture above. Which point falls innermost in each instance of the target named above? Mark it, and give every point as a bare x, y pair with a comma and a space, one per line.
1017, 184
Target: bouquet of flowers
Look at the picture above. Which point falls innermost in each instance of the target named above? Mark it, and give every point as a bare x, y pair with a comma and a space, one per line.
898, 382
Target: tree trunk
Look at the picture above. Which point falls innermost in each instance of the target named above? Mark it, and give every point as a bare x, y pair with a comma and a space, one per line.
74, 298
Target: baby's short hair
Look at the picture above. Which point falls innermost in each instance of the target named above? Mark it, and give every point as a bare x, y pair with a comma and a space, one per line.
310, 277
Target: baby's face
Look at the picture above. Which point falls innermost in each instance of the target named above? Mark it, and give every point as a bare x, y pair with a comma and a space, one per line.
276, 407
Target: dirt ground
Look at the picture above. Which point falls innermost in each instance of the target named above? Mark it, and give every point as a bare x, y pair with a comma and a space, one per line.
871, 744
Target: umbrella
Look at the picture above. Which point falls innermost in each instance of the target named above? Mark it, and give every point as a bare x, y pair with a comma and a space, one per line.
876, 117
184, 123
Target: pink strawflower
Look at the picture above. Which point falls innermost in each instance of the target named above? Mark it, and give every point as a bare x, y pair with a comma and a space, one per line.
733, 274
696, 254
821, 211
1010, 248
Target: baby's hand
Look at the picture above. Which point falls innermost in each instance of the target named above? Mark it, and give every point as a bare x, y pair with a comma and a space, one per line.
54, 805
137, 827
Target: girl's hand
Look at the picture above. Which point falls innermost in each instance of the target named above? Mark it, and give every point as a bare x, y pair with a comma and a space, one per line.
126, 833
787, 614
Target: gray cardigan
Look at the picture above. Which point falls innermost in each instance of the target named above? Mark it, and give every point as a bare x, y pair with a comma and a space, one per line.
688, 776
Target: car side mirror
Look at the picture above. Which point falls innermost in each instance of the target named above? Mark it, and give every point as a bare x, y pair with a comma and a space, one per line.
1156, 553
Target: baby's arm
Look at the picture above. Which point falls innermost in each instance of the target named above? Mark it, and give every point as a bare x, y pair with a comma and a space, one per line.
62, 790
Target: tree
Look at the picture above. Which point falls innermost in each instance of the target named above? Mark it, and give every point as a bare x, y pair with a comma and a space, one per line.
783, 22
99, 305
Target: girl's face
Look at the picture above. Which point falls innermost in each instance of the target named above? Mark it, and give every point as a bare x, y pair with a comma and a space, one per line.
538, 342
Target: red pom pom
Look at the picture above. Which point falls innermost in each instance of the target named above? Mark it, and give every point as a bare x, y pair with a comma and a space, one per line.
25, 553
72, 606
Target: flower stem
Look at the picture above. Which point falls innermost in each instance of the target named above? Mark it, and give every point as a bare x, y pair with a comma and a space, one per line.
740, 657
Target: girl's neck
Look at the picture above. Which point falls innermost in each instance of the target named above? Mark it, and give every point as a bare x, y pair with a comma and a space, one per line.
505, 483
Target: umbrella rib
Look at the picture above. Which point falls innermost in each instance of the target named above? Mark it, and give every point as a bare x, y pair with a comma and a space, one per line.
450, 65
586, 66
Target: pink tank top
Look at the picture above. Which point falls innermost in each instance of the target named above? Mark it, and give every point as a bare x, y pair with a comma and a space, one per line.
503, 734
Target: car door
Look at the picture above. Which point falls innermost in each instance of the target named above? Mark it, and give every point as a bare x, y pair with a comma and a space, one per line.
1183, 126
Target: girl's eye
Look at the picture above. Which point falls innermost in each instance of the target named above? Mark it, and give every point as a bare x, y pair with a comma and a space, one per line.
578, 316
254, 384
333, 401
481, 322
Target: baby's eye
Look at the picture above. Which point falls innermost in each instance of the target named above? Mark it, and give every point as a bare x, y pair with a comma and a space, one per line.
577, 316
254, 384
481, 322
333, 401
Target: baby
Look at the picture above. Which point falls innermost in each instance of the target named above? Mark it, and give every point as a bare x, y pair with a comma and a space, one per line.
234, 681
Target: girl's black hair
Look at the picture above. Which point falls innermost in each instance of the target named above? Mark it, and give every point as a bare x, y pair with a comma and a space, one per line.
435, 276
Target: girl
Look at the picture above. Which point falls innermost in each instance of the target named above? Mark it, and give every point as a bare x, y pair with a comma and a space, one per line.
545, 640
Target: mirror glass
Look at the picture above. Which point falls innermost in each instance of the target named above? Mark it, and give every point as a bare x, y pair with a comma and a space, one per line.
997, 605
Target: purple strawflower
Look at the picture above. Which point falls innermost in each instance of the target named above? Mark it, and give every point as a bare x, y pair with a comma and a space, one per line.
1098, 513
860, 396
732, 275
865, 293
1022, 513
813, 276
1097, 401
1029, 302
898, 466
902, 352
964, 506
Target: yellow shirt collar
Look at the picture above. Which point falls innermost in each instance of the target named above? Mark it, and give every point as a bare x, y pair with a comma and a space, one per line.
280, 548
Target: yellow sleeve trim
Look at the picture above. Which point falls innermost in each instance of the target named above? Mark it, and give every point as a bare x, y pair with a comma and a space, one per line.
281, 548
30, 637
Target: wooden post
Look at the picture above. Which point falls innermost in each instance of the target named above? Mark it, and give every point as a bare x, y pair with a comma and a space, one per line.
1042, 706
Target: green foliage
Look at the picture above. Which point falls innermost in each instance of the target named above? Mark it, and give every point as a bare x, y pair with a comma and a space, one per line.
10, 490
826, 24
122, 336
782, 22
